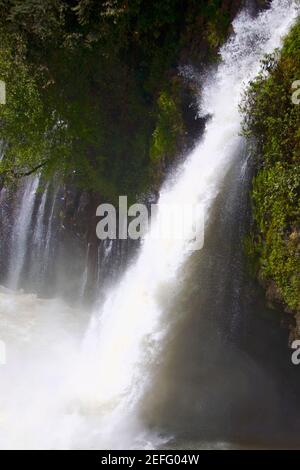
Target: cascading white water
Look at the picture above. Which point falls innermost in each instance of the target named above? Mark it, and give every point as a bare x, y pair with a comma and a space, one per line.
49, 229
39, 236
20, 231
83, 398
126, 334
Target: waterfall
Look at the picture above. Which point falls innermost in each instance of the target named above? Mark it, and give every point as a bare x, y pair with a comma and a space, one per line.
37, 252
80, 383
126, 334
38, 235
34, 241
49, 229
20, 231
85, 274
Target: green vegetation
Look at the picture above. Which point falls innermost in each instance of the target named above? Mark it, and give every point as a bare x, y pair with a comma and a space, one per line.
273, 120
93, 91
33, 135
168, 127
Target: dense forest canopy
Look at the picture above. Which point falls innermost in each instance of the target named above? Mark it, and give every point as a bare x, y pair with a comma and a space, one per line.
93, 90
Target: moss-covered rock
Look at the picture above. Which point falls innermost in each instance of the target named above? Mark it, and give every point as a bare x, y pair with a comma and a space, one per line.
272, 118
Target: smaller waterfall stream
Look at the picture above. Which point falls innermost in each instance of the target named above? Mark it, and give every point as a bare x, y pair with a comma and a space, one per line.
37, 251
20, 231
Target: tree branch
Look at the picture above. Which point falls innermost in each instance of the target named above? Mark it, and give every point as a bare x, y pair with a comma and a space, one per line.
29, 172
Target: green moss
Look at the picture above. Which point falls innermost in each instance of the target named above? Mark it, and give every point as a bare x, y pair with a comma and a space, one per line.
276, 201
273, 120
33, 134
168, 128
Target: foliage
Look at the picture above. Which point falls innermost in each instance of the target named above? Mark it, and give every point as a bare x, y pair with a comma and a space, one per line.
90, 86
168, 127
33, 135
273, 120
